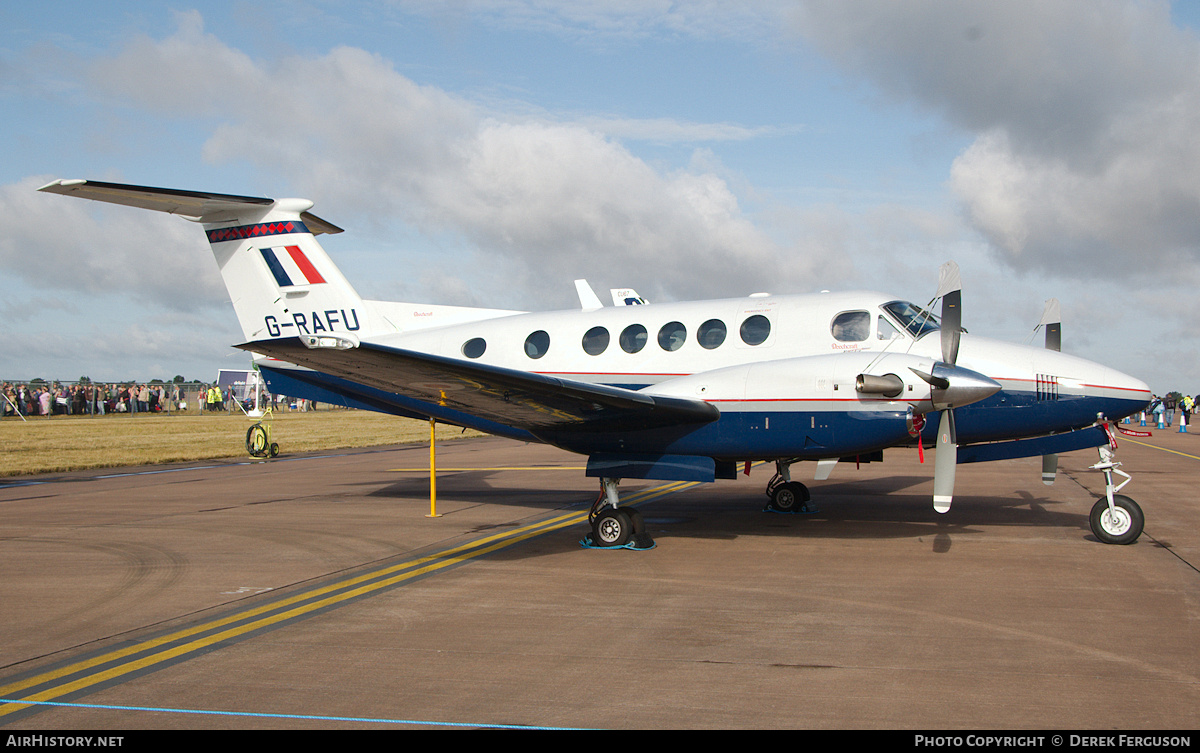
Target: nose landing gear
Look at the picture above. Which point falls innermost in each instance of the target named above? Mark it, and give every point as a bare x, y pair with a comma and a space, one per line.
1115, 518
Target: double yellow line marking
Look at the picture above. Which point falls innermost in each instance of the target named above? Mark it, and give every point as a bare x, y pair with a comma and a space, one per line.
114, 665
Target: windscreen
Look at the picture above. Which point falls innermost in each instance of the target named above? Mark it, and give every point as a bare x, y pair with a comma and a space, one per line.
912, 318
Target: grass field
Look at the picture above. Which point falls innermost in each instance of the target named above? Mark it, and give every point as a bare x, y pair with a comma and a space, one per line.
63, 443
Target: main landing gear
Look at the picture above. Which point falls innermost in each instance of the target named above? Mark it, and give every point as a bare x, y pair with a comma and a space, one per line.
615, 526
1115, 518
787, 495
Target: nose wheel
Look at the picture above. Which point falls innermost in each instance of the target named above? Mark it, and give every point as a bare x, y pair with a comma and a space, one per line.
1118, 522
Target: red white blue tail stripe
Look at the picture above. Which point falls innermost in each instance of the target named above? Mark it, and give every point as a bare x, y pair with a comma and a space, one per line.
290, 266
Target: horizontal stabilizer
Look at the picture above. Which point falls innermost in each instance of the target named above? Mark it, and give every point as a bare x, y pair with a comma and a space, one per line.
197, 205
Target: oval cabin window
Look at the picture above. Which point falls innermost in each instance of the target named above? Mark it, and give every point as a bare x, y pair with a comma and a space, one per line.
595, 341
755, 330
537, 344
474, 347
672, 336
633, 338
711, 334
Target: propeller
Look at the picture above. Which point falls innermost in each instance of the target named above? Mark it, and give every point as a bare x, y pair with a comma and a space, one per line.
1052, 322
946, 457
953, 386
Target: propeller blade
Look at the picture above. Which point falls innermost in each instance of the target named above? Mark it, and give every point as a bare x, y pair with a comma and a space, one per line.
951, 325
948, 279
945, 462
1049, 469
1052, 321
950, 290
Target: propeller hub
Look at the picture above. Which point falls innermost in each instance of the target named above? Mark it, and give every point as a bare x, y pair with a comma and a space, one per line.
954, 386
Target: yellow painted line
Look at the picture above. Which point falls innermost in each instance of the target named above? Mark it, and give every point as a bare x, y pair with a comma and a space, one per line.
1156, 447
427, 564
398, 573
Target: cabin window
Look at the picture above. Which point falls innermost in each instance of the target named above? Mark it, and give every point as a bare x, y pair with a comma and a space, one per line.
711, 334
474, 347
672, 336
633, 338
755, 330
537, 344
851, 326
595, 341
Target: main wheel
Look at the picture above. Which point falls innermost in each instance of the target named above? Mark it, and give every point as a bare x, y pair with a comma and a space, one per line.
789, 497
612, 528
1123, 527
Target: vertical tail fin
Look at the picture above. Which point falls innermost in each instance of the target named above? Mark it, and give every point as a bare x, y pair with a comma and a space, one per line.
281, 282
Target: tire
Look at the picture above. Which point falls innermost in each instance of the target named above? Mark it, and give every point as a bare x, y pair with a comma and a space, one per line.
274, 451
1124, 528
612, 528
256, 441
789, 497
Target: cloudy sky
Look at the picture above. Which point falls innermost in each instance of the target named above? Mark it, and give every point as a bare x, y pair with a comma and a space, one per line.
489, 152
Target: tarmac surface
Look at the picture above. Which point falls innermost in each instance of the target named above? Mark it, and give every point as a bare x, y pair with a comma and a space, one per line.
316, 593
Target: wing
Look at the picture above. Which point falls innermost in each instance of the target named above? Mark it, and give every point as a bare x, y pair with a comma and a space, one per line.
534, 402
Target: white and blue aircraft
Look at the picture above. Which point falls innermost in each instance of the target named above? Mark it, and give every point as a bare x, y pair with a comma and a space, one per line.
668, 391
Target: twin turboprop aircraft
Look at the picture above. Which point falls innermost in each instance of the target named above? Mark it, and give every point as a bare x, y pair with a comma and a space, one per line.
668, 391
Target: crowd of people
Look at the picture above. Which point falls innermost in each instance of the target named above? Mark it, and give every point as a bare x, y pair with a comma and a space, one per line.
1168, 405
53, 399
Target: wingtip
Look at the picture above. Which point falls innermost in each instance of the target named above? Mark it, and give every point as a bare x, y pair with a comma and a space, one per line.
62, 183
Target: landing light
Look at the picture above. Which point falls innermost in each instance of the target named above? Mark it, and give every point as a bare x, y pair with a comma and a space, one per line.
329, 341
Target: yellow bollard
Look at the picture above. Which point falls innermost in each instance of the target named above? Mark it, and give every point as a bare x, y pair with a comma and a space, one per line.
432, 472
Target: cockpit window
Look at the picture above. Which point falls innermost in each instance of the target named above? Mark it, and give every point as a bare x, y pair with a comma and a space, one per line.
887, 330
917, 321
851, 326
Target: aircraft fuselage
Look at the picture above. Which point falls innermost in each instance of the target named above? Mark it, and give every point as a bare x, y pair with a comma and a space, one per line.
781, 370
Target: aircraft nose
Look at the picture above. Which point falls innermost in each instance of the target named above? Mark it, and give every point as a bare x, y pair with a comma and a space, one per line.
1121, 394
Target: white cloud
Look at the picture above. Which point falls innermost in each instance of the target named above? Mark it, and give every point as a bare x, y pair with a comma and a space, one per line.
617, 20
548, 201
56, 243
1084, 110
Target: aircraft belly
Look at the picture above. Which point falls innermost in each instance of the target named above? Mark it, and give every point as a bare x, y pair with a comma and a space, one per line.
746, 435
808, 434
